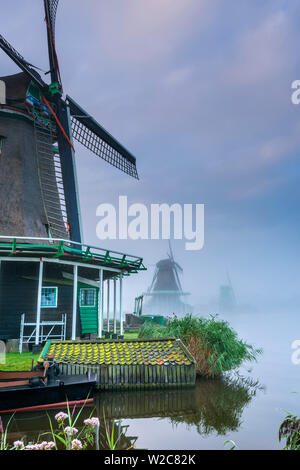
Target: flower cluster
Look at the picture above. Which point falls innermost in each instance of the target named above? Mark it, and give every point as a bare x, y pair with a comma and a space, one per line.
19, 445
70, 431
67, 434
92, 422
45, 445
76, 444
60, 417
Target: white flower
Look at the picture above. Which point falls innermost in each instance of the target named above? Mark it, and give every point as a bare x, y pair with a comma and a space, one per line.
60, 417
70, 431
92, 422
76, 444
19, 444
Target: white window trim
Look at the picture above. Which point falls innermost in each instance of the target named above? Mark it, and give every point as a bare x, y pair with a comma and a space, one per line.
95, 295
56, 295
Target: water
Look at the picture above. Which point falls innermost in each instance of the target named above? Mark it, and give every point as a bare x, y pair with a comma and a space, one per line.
247, 411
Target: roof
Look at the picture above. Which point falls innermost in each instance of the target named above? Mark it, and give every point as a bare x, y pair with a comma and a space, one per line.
69, 251
165, 351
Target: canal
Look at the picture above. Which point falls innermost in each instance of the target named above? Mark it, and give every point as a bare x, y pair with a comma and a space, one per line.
246, 407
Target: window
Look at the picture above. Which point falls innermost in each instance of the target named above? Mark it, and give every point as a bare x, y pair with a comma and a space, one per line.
87, 297
49, 297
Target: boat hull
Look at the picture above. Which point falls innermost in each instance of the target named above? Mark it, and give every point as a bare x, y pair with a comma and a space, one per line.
64, 389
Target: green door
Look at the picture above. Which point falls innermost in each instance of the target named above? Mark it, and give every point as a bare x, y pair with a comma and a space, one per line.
88, 306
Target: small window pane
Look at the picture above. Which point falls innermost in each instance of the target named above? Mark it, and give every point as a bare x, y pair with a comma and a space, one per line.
87, 297
49, 297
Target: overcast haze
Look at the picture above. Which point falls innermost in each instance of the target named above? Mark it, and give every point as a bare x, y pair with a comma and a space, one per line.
200, 92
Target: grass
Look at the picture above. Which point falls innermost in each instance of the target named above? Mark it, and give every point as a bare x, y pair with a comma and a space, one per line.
213, 343
131, 335
17, 361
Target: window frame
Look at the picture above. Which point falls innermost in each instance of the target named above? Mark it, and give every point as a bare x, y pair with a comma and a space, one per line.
56, 296
95, 297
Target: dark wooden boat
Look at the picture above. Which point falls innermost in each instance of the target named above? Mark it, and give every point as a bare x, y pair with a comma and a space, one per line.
35, 389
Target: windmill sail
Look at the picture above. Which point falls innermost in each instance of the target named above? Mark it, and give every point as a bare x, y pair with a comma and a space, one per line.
51, 6
22, 63
93, 136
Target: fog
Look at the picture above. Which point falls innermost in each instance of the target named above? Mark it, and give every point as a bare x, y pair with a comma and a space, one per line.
200, 92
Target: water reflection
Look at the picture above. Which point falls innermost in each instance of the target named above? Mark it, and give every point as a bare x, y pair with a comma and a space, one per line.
213, 406
218, 404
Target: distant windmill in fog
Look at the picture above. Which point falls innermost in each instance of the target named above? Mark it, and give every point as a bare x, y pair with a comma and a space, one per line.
227, 299
165, 291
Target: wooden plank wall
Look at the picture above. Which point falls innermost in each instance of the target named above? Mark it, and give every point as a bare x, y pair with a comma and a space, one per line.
19, 295
136, 377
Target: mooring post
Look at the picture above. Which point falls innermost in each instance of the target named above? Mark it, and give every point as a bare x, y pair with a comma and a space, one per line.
115, 306
121, 305
38, 308
107, 304
75, 287
100, 304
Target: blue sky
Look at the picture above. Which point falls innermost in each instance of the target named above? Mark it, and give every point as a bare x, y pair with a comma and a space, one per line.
199, 91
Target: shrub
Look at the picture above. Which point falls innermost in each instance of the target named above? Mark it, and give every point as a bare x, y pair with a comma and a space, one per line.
213, 343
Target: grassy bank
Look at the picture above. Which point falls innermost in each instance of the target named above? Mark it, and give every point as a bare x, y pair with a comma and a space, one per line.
17, 361
213, 343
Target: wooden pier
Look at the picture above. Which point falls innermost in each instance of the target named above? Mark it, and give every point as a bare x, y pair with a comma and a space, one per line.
126, 364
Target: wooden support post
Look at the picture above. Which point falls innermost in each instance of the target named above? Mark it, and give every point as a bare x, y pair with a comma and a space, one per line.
75, 288
100, 304
115, 306
38, 307
21, 332
121, 305
107, 303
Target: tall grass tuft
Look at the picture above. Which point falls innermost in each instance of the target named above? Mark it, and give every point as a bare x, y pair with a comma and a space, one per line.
290, 431
213, 343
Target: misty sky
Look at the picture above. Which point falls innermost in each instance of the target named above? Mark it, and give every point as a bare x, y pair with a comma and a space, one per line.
200, 92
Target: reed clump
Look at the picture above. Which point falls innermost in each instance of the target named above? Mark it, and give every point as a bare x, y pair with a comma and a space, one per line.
214, 344
290, 431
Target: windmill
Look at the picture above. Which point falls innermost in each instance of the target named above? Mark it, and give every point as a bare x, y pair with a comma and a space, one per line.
165, 291
227, 299
45, 200
46, 270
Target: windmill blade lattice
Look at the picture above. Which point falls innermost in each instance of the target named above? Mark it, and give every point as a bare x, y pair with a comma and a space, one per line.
52, 6
94, 137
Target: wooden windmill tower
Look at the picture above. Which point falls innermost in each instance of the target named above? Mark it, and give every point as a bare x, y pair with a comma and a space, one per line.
38, 162
40, 224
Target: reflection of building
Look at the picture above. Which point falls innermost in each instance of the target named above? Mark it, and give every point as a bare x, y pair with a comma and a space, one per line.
165, 295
